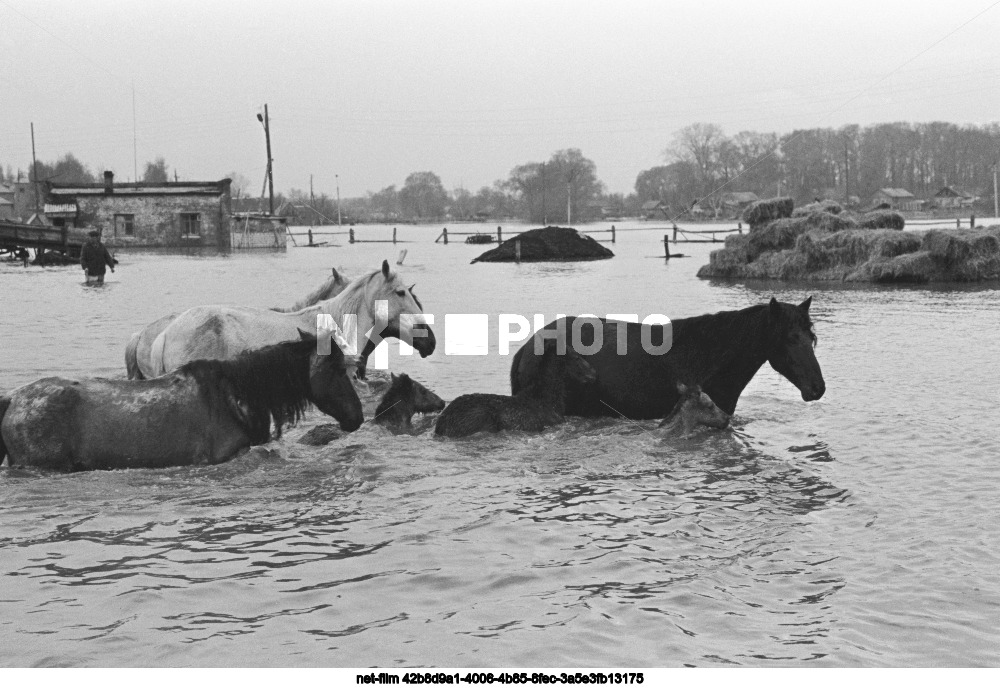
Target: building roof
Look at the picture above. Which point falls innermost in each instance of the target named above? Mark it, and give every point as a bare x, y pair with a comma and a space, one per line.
950, 192
141, 189
895, 193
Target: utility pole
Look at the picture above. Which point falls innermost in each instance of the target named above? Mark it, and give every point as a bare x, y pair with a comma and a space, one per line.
135, 149
267, 137
34, 166
337, 179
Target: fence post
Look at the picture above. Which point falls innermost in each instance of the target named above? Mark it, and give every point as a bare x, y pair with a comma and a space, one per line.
499, 235
958, 223
612, 234
675, 233
350, 234
972, 222
394, 235
517, 251
444, 233
666, 246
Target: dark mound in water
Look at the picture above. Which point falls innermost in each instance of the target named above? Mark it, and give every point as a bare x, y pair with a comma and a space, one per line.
547, 244
822, 246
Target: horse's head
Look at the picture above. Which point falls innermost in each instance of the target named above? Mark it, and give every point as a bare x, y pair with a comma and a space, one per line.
404, 319
699, 407
573, 366
424, 400
791, 344
333, 285
331, 388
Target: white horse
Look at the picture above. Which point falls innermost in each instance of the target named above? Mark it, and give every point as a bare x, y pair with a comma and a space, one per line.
381, 302
137, 351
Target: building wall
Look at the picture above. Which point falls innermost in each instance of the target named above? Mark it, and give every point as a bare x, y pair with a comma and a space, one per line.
157, 219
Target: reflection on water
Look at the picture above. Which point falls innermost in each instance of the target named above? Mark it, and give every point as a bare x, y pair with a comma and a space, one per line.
857, 530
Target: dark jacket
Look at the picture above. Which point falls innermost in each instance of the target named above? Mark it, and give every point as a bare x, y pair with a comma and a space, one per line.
94, 256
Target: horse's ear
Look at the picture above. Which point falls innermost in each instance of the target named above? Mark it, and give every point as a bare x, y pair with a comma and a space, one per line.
335, 275
392, 377
385, 269
774, 307
412, 286
804, 306
305, 336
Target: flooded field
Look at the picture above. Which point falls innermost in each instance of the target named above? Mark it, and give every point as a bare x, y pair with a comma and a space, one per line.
858, 530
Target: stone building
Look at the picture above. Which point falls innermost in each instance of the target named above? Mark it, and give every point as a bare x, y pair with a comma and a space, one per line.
167, 214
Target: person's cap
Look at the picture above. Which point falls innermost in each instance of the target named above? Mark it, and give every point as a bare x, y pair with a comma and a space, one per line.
93, 233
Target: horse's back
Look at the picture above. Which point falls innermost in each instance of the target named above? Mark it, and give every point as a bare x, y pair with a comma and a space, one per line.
222, 333
635, 383
40, 421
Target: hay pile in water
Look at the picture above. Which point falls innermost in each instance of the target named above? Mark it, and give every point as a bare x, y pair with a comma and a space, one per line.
767, 210
882, 219
547, 244
826, 206
822, 246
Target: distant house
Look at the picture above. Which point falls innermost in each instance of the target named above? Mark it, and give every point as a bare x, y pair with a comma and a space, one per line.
736, 202
139, 214
897, 199
653, 209
950, 197
6, 201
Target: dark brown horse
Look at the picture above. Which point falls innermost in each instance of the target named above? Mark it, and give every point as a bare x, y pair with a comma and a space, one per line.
540, 404
720, 352
405, 397
694, 408
205, 412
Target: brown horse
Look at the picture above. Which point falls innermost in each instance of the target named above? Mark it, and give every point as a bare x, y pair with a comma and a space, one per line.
538, 405
205, 412
694, 408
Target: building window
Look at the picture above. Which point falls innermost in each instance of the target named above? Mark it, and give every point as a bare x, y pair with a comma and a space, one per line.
191, 224
125, 225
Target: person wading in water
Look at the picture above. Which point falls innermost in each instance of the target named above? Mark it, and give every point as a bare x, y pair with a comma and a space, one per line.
94, 257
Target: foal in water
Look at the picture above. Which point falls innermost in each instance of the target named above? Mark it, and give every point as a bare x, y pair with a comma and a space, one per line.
405, 397
535, 407
694, 408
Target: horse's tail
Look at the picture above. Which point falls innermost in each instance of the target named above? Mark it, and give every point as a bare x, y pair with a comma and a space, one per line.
4, 404
131, 358
156, 366
515, 381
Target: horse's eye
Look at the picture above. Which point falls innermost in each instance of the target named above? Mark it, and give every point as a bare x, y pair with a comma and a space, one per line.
400, 292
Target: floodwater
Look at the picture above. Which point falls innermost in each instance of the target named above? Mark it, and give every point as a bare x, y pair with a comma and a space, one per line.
859, 530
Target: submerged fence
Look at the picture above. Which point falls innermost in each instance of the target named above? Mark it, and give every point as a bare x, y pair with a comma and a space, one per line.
672, 233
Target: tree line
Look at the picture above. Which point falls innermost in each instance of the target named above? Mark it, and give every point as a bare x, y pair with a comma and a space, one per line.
701, 164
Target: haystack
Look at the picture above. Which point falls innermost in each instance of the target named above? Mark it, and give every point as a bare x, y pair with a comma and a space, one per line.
882, 219
767, 210
822, 246
547, 244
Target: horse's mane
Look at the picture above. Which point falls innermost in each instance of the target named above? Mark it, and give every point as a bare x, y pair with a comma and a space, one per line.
320, 293
353, 297
259, 386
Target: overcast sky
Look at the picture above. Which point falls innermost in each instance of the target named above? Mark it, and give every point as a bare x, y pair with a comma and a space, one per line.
372, 91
